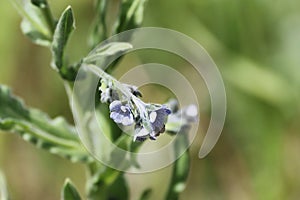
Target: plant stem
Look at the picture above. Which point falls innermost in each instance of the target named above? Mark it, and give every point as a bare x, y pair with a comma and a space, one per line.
49, 18
101, 73
3, 188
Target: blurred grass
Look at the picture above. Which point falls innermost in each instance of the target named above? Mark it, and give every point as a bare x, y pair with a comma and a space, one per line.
255, 43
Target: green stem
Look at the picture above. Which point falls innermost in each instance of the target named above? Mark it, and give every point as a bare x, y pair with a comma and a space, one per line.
49, 17
3, 188
103, 177
101, 73
180, 167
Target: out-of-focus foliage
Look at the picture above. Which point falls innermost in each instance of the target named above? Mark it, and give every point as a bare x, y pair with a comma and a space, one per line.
255, 44
69, 192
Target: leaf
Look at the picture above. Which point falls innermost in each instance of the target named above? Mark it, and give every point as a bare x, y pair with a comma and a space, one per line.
62, 33
107, 183
53, 135
35, 24
131, 15
34, 35
45, 9
69, 192
180, 167
101, 52
99, 31
265, 84
40, 3
146, 194
3, 187
119, 189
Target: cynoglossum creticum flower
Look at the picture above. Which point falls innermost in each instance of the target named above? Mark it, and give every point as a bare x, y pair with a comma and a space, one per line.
121, 113
157, 116
127, 109
149, 120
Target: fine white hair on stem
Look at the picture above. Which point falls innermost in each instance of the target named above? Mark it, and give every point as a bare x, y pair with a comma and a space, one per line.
3, 187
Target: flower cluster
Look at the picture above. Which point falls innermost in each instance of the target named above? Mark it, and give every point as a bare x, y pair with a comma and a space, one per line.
126, 109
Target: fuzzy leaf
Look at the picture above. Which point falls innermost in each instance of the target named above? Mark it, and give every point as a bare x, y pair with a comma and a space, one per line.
34, 35
46, 12
101, 52
69, 191
53, 135
62, 33
35, 23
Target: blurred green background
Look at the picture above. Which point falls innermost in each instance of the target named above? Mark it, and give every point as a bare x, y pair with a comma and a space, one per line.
256, 45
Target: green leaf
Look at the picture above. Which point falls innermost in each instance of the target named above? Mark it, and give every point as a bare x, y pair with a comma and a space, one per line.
101, 52
45, 9
107, 183
40, 3
180, 168
265, 84
35, 24
3, 187
99, 31
34, 35
119, 189
146, 194
69, 192
131, 15
62, 33
53, 135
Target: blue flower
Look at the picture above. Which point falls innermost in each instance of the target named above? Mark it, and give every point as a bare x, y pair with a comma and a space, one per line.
157, 119
121, 113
